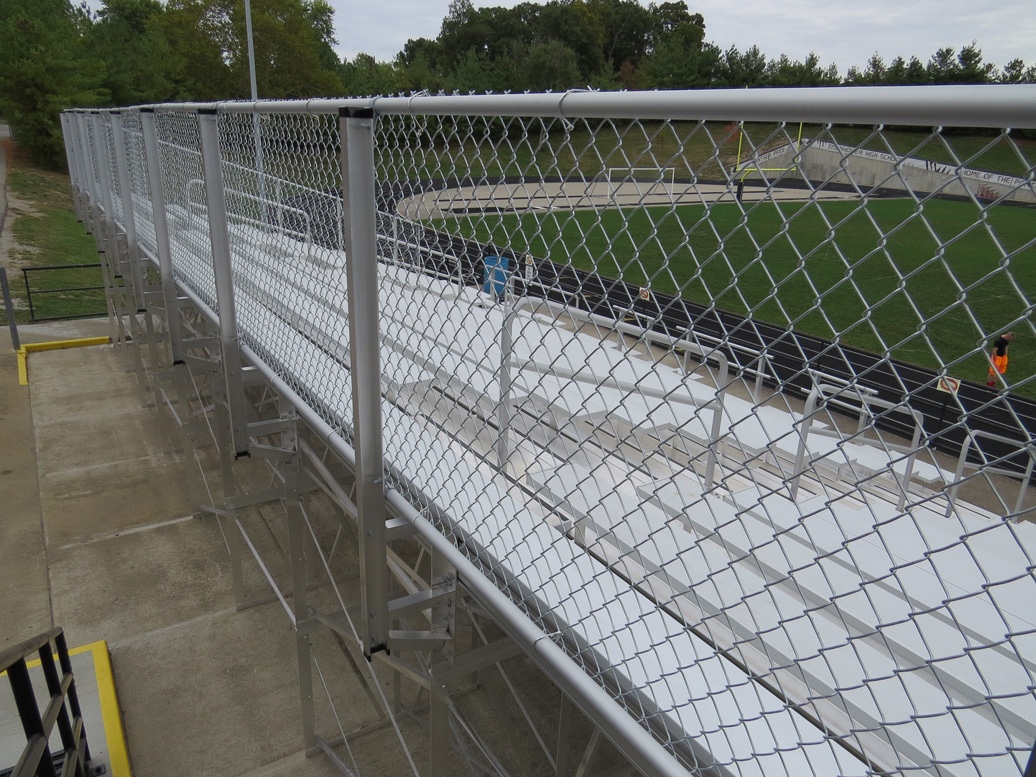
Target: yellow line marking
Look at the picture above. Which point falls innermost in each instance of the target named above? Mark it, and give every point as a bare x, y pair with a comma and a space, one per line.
53, 345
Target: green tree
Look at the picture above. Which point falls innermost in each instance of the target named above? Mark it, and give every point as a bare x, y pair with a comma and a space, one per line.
1015, 72
874, 73
740, 69
209, 53
627, 29
552, 65
196, 66
673, 18
45, 68
948, 67
785, 72
128, 38
365, 77
678, 65
417, 66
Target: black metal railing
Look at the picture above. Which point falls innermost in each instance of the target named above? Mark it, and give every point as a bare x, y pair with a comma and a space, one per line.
69, 301
62, 709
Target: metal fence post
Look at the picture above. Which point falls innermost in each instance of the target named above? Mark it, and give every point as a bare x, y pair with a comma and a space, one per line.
356, 127
103, 229
152, 160
108, 220
132, 258
503, 409
73, 173
126, 193
9, 307
220, 240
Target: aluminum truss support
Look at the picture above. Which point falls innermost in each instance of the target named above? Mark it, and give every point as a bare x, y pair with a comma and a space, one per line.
141, 325
220, 240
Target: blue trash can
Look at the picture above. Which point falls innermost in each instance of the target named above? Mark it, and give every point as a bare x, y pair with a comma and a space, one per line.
494, 278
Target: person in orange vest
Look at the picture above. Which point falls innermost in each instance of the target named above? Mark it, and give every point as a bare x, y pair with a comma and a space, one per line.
999, 357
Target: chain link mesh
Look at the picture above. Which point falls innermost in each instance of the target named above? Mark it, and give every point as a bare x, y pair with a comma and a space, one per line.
568, 409
718, 404
282, 185
136, 161
186, 209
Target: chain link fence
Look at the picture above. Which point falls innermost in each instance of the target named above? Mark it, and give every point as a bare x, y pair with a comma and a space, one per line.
713, 386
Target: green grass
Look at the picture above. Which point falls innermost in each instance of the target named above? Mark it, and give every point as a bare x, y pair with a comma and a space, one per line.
49, 234
817, 268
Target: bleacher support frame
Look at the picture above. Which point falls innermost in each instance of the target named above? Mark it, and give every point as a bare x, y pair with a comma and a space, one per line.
279, 448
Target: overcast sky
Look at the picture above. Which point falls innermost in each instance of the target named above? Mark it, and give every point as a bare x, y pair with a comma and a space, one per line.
845, 32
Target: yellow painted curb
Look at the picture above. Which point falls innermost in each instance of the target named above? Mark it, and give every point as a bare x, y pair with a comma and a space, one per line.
53, 345
118, 755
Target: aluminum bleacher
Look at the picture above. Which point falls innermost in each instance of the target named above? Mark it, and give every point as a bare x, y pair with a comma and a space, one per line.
723, 581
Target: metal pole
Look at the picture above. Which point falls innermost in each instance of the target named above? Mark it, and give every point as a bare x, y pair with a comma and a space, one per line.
9, 307
503, 408
251, 49
357, 134
260, 175
223, 273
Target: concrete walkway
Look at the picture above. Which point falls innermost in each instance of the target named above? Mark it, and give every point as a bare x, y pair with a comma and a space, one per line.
97, 537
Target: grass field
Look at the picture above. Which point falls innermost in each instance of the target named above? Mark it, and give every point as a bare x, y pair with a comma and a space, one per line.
818, 268
46, 232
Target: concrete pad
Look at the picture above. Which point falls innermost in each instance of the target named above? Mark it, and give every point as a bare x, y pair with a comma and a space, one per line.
215, 696
82, 503
297, 765
104, 462
24, 585
131, 584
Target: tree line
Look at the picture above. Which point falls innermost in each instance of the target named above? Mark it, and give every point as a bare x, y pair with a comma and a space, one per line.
56, 55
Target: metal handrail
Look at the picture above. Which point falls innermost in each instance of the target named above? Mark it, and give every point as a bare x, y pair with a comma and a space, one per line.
866, 400
62, 710
29, 291
970, 436
985, 105
192, 205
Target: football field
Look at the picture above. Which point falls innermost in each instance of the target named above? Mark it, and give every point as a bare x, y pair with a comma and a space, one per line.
890, 275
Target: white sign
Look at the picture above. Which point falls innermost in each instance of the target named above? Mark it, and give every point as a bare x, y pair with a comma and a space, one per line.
645, 294
948, 384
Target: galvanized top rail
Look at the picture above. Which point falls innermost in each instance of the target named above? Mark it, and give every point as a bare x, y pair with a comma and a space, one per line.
990, 105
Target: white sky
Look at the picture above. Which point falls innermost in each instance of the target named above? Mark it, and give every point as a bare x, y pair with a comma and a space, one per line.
845, 32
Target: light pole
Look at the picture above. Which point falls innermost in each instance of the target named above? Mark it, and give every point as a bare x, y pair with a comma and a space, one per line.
251, 49
255, 116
